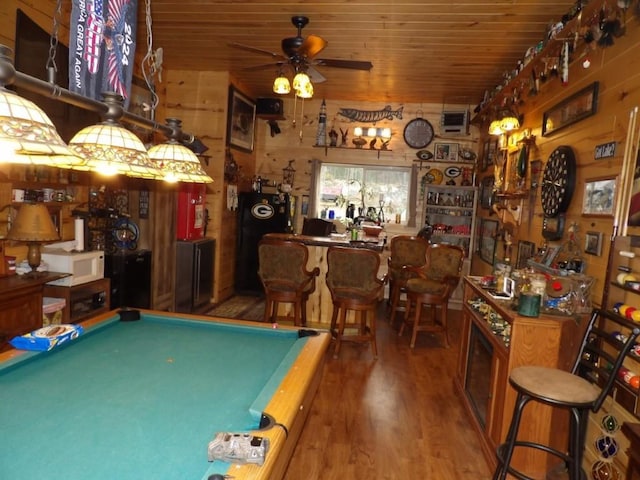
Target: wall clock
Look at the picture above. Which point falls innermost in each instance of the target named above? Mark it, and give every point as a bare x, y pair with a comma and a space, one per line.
558, 181
418, 133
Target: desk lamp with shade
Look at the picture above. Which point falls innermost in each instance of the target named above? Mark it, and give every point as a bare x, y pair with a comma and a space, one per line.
33, 225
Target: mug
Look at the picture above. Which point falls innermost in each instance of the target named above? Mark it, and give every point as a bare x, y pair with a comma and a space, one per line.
17, 195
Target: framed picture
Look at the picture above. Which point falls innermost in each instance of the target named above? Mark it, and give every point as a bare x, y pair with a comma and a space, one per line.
446, 152
599, 196
593, 243
549, 256
486, 192
525, 252
488, 232
577, 107
240, 121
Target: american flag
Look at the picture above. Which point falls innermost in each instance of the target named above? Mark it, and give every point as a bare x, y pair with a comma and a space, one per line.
95, 29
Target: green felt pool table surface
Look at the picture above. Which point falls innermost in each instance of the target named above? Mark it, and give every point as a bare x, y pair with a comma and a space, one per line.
142, 399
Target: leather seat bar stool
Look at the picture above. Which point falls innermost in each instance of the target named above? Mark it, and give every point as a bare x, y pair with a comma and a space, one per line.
608, 339
285, 278
352, 279
432, 285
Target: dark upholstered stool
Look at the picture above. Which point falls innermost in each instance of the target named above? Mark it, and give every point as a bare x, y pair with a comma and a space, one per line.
285, 278
317, 227
580, 391
432, 285
352, 279
406, 250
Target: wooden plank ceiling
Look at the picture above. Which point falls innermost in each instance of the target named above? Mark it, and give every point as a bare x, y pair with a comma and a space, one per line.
431, 51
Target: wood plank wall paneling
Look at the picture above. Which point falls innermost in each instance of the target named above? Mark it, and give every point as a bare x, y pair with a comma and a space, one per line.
617, 69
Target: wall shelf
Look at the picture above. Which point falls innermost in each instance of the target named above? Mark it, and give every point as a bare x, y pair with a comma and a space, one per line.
327, 148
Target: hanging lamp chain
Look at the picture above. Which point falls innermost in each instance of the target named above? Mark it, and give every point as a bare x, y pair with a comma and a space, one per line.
152, 61
52, 67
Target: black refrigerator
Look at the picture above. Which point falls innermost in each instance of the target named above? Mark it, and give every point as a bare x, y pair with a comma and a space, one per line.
258, 214
194, 274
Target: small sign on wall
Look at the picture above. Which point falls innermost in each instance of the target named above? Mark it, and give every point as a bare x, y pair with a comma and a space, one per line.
605, 150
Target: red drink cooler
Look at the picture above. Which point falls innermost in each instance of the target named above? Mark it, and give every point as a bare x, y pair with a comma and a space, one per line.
191, 211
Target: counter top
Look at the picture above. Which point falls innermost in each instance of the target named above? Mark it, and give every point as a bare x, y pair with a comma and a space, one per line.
372, 243
13, 283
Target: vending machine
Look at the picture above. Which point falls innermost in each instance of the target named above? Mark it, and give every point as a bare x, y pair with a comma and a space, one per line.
191, 211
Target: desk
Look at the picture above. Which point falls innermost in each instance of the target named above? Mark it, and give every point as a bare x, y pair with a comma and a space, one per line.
319, 304
142, 399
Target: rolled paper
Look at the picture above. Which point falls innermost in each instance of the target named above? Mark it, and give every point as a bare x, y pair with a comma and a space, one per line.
78, 225
529, 304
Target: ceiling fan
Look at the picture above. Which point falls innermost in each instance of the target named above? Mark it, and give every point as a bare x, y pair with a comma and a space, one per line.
300, 53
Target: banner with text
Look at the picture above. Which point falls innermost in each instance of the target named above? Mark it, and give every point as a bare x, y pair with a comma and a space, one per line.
102, 44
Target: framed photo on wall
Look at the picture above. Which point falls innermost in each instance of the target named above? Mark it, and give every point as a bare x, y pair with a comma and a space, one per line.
599, 196
593, 243
489, 229
525, 252
446, 152
241, 120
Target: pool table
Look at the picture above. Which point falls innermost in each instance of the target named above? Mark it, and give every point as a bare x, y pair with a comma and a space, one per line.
142, 399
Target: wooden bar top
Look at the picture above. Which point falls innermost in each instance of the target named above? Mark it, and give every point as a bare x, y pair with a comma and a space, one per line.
334, 240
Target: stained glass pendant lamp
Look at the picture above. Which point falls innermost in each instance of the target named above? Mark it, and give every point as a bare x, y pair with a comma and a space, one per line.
27, 135
111, 149
176, 162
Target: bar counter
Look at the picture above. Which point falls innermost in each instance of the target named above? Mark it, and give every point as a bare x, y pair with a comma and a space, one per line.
319, 306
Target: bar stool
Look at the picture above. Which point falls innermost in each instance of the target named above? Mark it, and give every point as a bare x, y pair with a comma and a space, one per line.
406, 250
352, 279
285, 278
607, 340
432, 285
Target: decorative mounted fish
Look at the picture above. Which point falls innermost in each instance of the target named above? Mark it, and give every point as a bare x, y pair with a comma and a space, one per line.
371, 116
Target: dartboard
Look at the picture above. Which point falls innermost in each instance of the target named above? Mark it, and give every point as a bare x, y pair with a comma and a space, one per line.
558, 181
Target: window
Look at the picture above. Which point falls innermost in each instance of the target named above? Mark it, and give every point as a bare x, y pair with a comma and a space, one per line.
377, 192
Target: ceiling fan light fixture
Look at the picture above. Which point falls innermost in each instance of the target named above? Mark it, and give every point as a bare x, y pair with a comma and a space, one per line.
281, 85
300, 81
306, 91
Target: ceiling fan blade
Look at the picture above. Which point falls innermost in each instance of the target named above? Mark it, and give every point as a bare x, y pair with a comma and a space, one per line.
264, 66
256, 50
315, 76
312, 46
337, 63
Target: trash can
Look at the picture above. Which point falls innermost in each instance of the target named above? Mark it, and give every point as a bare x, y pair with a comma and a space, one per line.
52, 310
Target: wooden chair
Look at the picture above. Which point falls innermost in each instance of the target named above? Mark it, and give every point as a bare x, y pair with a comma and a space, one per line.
352, 279
317, 227
285, 278
406, 250
607, 340
432, 285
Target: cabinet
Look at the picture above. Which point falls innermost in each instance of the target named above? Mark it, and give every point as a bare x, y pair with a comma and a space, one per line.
130, 274
632, 431
494, 341
194, 274
21, 304
450, 211
82, 301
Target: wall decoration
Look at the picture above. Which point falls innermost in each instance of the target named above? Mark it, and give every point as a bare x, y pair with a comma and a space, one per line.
599, 196
489, 150
447, 152
526, 250
577, 107
486, 192
489, 230
371, 116
143, 203
593, 243
605, 150
240, 121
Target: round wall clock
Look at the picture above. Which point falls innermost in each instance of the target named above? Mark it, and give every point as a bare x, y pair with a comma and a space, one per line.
558, 181
418, 133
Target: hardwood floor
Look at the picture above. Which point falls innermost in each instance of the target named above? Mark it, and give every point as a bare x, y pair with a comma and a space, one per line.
397, 417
